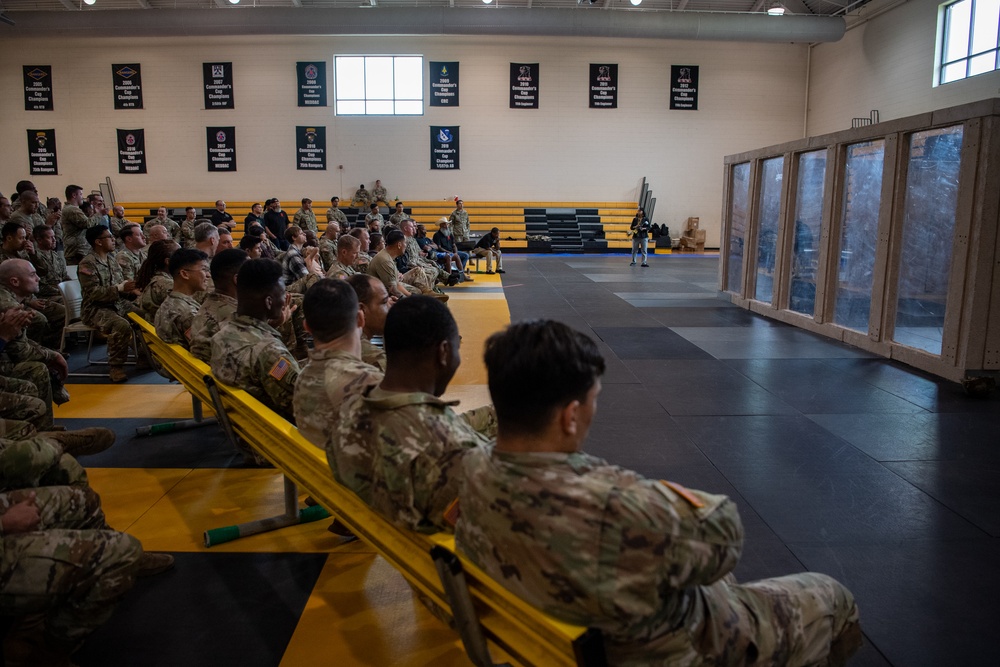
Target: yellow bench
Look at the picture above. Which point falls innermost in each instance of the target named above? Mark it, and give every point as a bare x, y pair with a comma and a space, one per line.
482, 609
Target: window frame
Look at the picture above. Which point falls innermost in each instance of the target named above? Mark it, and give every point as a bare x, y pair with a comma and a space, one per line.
366, 100
944, 19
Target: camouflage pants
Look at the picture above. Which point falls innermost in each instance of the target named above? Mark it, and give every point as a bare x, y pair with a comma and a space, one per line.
418, 279
72, 569
37, 461
48, 332
18, 401
118, 331
14, 429
33, 379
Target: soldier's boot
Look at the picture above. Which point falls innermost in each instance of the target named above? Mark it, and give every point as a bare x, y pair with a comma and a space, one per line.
25, 646
440, 296
117, 374
83, 441
845, 645
59, 393
153, 563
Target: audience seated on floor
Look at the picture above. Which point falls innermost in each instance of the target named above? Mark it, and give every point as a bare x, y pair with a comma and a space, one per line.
189, 270
647, 562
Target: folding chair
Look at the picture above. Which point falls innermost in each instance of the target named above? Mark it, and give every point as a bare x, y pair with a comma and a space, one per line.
72, 298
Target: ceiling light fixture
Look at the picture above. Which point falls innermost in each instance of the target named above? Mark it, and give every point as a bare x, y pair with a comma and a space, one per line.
487, 2
775, 9
90, 2
635, 3
234, 2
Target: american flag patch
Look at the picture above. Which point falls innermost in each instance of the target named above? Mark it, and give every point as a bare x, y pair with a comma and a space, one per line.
279, 369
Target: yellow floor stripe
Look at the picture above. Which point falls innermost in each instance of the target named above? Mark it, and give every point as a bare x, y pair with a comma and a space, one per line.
123, 401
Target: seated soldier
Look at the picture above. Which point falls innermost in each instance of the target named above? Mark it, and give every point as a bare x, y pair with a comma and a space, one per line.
374, 302
398, 215
207, 238
647, 562
334, 214
187, 227
374, 217
362, 197
379, 193
305, 218
335, 369
328, 244
133, 250
47, 326
104, 305
164, 220
225, 240
19, 398
362, 235
153, 280
189, 269
383, 267
219, 305
16, 244
343, 265
74, 224
398, 446
247, 351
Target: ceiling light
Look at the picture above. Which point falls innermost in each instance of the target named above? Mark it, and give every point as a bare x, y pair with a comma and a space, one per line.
89, 2
635, 3
234, 2
486, 2
775, 9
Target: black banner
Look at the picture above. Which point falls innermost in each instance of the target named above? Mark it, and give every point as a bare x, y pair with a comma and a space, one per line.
218, 85
128, 86
312, 84
37, 87
444, 84
221, 148
684, 87
131, 151
42, 152
444, 147
310, 147
524, 85
603, 86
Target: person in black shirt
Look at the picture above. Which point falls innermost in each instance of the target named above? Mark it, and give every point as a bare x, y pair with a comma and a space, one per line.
639, 231
489, 247
275, 223
256, 215
220, 217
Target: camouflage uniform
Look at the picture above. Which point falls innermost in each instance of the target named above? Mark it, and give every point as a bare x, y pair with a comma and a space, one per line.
363, 196
174, 318
215, 309
46, 324
19, 400
117, 225
648, 563
325, 381
306, 220
380, 194
372, 354
130, 262
26, 221
72, 568
383, 267
74, 225
50, 265
397, 218
460, 224
327, 251
340, 270
154, 294
35, 461
376, 217
17, 254
413, 257
248, 353
187, 232
172, 227
400, 453
338, 216
103, 306
24, 364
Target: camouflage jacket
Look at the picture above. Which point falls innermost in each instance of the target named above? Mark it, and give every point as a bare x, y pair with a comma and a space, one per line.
336, 215
187, 232
248, 353
327, 378
380, 194
598, 545
22, 348
372, 354
25, 220
154, 294
117, 225
99, 280
383, 267
397, 218
130, 261
174, 317
215, 309
460, 224
306, 220
338, 270
74, 225
327, 251
400, 453
50, 265
172, 227
374, 217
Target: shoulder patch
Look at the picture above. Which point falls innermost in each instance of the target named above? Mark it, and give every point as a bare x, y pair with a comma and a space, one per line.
85, 270
280, 369
684, 493
452, 512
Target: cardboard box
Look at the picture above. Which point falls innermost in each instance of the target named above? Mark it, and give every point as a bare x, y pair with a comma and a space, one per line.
692, 223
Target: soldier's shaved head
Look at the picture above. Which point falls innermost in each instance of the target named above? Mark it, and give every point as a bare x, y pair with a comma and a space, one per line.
331, 309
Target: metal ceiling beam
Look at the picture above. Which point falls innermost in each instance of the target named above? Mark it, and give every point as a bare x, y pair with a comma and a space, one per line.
69, 5
437, 21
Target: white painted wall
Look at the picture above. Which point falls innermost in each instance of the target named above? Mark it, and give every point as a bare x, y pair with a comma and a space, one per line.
751, 95
887, 64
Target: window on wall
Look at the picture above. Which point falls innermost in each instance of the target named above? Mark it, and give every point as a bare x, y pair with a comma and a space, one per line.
969, 40
379, 85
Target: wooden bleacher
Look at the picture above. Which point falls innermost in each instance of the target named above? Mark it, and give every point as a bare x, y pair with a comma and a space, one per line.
584, 222
481, 608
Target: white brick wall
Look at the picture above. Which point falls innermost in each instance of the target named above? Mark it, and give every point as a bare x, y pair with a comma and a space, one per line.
886, 64
751, 95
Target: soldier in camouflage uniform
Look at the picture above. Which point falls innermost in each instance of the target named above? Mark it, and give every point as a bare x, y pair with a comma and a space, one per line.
328, 244
22, 357
219, 305
118, 223
342, 266
189, 269
26, 214
74, 224
19, 398
362, 197
460, 222
647, 562
49, 263
154, 279
416, 258
334, 214
305, 218
334, 370
373, 302
398, 446
380, 194
104, 305
374, 217
187, 227
15, 244
247, 351
132, 252
398, 215
166, 222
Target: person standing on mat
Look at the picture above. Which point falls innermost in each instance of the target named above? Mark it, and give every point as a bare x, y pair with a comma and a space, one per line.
640, 236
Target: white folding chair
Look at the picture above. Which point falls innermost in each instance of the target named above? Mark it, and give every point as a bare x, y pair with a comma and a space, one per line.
71, 271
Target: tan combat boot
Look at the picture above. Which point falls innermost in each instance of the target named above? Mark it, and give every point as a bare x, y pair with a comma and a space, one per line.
83, 441
117, 374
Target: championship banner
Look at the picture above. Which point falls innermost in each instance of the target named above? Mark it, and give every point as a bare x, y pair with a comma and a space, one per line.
131, 151
218, 85
42, 152
37, 87
524, 85
221, 148
684, 87
310, 147
444, 84
128, 86
312, 83
444, 147
603, 86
